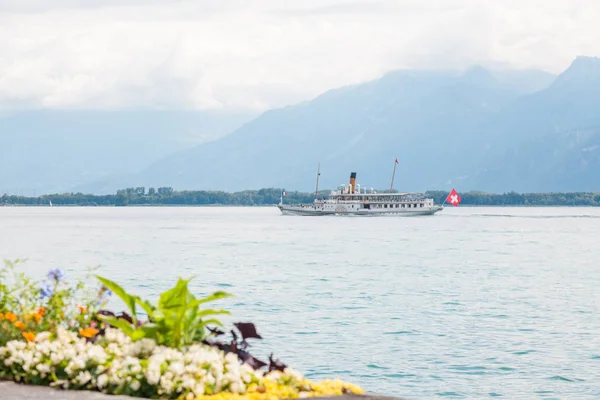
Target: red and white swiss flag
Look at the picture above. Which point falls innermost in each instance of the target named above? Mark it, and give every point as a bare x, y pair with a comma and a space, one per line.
453, 198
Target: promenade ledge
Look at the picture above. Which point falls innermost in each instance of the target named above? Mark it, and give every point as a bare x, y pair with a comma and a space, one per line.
16, 391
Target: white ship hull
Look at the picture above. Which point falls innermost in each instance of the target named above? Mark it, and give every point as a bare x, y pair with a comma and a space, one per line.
312, 211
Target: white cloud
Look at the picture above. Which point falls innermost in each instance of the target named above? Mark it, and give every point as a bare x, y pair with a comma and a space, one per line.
263, 54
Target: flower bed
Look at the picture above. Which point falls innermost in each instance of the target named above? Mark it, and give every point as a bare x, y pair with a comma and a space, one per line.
173, 354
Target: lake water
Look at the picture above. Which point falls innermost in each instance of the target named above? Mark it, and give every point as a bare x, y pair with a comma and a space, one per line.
470, 303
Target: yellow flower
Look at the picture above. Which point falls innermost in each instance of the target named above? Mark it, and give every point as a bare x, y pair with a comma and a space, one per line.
269, 390
286, 388
30, 336
10, 316
88, 332
20, 325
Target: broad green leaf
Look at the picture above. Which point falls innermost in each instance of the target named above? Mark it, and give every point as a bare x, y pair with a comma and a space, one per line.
137, 334
119, 291
204, 313
158, 316
212, 297
212, 321
120, 323
150, 329
175, 297
145, 304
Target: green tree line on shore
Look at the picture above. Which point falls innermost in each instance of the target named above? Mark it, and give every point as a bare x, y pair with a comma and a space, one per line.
167, 196
521, 199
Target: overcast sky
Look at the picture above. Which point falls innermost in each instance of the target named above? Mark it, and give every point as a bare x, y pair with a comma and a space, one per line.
265, 53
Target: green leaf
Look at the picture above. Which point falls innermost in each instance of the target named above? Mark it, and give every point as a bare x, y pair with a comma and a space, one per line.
145, 304
158, 316
175, 297
204, 313
120, 323
150, 329
173, 303
119, 291
137, 334
215, 296
212, 321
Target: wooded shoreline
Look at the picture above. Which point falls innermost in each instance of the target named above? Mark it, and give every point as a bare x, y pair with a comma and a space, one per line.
166, 196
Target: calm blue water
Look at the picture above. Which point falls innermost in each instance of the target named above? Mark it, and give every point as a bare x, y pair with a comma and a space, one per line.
471, 303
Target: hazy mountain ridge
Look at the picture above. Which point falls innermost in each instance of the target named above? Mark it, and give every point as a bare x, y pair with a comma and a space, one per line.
421, 117
549, 141
57, 150
561, 161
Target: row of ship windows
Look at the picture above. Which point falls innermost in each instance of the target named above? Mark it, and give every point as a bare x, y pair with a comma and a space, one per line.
420, 205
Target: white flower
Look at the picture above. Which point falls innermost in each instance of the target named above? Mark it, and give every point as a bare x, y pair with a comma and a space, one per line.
166, 385
83, 377
192, 369
232, 358
237, 387
210, 379
43, 368
188, 383
169, 375
293, 373
199, 389
79, 362
153, 376
56, 358
177, 368
96, 354
102, 381
15, 346
135, 385
42, 337
274, 375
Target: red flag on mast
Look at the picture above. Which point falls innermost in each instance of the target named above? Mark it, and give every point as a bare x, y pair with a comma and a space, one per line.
453, 198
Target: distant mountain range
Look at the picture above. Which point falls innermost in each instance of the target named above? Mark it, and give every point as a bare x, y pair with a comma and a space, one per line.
54, 151
478, 130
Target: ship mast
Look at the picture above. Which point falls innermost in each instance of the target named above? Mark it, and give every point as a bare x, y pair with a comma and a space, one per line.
317, 188
393, 175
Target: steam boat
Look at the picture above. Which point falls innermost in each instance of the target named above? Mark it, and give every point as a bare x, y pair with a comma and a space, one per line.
351, 200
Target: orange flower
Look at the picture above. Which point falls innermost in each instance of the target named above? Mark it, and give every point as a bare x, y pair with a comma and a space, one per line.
41, 311
37, 316
10, 316
30, 336
20, 325
81, 309
88, 332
